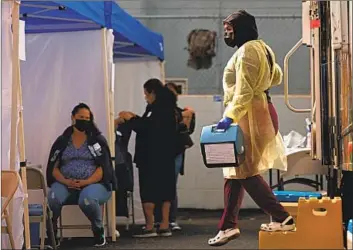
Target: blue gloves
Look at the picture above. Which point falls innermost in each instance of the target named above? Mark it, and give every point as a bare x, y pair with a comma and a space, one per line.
225, 123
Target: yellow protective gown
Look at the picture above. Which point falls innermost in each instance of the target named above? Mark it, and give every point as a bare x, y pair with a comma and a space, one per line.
246, 76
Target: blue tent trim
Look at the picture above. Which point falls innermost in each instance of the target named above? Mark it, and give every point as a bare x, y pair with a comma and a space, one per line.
132, 39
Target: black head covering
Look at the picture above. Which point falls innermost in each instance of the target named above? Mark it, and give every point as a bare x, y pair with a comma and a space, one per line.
244, 26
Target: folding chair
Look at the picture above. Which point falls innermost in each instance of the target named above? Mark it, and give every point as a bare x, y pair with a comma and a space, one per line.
10, 181
62, 227
40, 213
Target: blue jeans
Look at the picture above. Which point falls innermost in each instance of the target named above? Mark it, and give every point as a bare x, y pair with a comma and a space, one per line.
174, 203
89, 199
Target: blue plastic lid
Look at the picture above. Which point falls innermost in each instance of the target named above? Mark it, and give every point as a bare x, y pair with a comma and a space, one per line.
350, 226
293, 196
35, 209
298, 193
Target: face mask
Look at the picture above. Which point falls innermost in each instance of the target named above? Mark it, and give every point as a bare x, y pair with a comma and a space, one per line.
83, 125
229, 39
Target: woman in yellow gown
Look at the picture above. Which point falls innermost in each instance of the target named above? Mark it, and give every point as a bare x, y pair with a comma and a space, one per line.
247, 78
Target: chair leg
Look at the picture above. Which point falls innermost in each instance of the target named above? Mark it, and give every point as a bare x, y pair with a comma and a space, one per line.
133, 208
129, 211
44, 226
61, 228
127, 224
317, 184
105, 221
51, 228
106, 213
9, 230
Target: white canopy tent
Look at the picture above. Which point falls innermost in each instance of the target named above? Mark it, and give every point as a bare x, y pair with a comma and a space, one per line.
61, 70
66, 63
51, 68
69, 60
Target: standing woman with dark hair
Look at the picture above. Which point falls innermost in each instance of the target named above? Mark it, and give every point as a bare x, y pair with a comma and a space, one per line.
80, 171
156, 135
186, 126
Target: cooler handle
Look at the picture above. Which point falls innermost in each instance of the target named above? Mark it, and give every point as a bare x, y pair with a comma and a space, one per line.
215, 130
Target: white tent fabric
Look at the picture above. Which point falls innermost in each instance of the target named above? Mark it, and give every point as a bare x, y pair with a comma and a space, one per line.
6, 104
129, 79
6, 80
60, 71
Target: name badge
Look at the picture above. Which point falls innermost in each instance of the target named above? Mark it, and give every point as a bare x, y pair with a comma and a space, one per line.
56, 153
91, 149
97, 147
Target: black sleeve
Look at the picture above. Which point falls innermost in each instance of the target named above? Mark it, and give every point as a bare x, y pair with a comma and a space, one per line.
150, 124
102, 141
107, 163
54, 156
125, 130
138, 124
192, 124
182, 128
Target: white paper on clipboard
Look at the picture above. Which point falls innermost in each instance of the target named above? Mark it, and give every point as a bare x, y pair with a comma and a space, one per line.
223, 153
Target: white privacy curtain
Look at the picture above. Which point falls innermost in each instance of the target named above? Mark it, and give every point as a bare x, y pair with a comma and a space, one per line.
129, 79
6, 105
61, 70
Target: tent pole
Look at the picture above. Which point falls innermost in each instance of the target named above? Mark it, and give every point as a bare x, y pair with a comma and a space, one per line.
109, 125
15, 79
16, 95
112, 147
162, 65
22, 151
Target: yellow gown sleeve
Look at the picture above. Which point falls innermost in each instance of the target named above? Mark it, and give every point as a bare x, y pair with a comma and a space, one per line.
277, 76
228, 80
247, 67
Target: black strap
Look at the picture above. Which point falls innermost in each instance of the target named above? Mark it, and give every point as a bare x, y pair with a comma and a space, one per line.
270, 62
269, 59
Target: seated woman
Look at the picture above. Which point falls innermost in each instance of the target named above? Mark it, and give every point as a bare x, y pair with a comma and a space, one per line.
80, 171
155, 152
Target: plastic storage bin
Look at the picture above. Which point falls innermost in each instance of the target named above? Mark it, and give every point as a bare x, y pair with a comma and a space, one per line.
34, 229
222, 148
35, 210
293, 196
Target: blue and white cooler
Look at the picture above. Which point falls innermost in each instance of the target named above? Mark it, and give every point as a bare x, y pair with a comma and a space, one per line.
222, 148
350, 235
